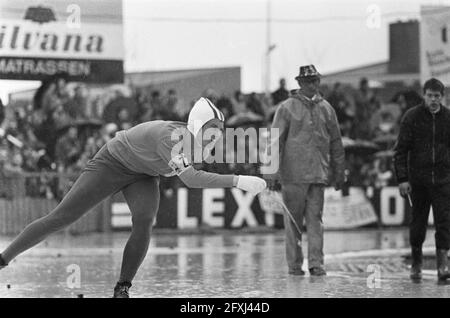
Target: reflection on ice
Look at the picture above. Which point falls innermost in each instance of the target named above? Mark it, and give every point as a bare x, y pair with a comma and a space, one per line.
222, 265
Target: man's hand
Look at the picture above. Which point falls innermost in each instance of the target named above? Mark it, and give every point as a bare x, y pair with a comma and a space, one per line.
339, 185
404, 188
273, 184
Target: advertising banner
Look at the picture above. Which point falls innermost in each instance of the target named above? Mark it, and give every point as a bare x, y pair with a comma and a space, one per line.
234, 209
82, 38
347, 212
435, 43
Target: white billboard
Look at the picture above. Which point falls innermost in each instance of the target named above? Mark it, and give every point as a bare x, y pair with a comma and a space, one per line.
82, 38
435, 43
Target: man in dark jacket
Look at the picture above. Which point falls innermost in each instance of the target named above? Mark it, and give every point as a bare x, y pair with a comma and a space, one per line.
422, 164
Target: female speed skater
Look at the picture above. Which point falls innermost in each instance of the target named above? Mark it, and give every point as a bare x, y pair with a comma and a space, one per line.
132, 162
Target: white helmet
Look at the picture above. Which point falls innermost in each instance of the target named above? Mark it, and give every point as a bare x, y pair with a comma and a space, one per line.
202, 112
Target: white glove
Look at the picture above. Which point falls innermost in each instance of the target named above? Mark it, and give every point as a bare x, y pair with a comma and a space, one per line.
254, 185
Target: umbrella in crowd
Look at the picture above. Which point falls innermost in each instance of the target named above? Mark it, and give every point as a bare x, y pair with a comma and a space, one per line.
246, 118
359, 147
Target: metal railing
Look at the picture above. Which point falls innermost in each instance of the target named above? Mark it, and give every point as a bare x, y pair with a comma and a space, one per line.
25, 197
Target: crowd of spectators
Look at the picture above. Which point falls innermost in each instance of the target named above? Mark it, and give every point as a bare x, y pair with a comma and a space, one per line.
65, 125
372, 127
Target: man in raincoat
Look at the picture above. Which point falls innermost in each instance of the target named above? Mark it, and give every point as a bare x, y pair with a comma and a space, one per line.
310, 149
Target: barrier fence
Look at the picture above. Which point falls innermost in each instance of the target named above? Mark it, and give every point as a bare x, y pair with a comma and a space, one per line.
235, 209
28, 196
25, 197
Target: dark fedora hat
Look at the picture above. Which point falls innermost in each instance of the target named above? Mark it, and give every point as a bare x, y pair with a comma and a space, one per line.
307, 71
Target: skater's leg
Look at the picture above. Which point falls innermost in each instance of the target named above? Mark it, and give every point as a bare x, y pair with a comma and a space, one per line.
90, 189
143, 199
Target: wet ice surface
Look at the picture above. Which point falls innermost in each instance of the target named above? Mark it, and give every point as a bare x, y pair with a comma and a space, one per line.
220, 265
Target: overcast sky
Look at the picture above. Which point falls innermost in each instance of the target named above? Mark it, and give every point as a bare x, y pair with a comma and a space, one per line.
332, 34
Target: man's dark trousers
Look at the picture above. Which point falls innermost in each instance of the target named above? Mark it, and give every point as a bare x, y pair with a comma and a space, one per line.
438, 197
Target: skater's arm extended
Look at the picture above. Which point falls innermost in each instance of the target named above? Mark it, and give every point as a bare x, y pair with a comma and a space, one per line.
193, 178
201, 179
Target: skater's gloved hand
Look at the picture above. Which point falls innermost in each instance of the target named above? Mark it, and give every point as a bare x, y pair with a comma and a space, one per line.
252, 184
